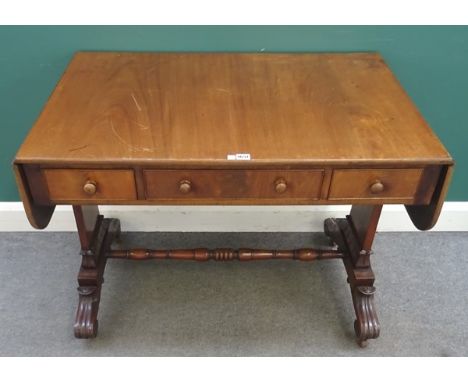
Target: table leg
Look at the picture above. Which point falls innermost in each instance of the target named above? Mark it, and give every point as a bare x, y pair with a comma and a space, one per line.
355, 235
96, 235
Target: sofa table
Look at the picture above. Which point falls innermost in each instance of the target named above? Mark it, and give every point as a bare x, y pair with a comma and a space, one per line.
231, 129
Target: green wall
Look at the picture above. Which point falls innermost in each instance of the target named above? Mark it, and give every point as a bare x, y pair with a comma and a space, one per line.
431, 62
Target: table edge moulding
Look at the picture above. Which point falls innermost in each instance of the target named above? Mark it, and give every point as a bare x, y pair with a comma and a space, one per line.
231, 129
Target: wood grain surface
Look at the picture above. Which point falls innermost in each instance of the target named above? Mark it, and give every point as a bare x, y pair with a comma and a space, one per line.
241, 184
398, 184
191, 108
162, 128
128, 128
67, 185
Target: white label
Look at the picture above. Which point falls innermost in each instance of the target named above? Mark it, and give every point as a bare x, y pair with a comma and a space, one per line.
243, 156
239, 156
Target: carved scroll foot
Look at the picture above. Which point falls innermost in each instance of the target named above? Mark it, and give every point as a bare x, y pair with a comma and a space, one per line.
360, 277
86, 324
366, 325
91, 277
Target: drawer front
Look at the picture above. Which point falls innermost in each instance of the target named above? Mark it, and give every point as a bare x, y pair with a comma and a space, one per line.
233, 184
397, 185
90, 185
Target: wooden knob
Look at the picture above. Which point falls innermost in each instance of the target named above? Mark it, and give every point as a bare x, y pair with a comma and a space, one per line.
185, 186
280, 186
377, 187
90, 187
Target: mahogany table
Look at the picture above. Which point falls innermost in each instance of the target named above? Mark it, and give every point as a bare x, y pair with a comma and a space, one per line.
231, 129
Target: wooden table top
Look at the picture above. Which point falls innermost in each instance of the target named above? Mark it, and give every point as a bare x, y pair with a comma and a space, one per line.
198, 108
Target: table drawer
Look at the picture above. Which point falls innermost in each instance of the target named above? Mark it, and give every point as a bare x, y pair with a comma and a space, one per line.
234, 184
96, 185
367, 184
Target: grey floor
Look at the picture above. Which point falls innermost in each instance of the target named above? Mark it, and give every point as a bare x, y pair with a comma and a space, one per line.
276, 308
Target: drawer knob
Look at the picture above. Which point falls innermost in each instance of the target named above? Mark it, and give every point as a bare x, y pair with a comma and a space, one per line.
185, 186
90, 187
280, 186
377, 187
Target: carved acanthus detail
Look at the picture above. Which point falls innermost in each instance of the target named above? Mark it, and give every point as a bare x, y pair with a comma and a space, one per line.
86, 323
367, 324
360, 277
90, 277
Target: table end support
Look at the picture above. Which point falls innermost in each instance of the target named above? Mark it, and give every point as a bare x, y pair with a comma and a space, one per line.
93, 263
354, 236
